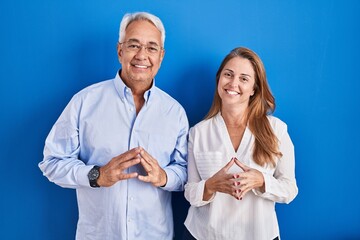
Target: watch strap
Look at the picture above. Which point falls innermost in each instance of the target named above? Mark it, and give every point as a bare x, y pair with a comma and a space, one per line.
93, 182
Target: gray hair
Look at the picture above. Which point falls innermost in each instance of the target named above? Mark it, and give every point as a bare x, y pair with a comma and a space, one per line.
130, 17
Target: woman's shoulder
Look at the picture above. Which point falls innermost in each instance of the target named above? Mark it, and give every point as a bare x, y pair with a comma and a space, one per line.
277, 124
203, 125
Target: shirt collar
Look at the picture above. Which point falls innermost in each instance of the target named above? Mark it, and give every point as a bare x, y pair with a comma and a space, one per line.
121, 88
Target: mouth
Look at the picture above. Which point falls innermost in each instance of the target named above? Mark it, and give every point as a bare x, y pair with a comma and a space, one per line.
140, 66
231, 92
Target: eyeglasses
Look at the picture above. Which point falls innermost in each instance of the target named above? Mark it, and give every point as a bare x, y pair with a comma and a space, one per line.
151, 49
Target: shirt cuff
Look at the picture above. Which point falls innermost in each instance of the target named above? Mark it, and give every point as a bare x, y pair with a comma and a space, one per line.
171, 180
267, 182
200, 193
82, 174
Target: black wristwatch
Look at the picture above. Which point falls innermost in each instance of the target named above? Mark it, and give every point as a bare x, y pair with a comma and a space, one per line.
93, 176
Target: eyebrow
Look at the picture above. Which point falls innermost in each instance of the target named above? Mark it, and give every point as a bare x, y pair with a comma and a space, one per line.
137, 40
228, 70
242, 74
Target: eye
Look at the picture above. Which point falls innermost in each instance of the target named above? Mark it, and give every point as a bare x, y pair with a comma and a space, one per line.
227, 74
152, 49
133, 46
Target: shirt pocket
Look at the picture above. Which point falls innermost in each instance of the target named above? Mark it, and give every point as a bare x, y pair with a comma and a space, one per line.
161, 147
209, 163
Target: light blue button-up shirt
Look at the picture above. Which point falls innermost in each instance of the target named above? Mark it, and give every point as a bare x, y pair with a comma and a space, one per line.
99, 123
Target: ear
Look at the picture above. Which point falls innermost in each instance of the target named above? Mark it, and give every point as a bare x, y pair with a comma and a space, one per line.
162, 55
252, 94
119, 51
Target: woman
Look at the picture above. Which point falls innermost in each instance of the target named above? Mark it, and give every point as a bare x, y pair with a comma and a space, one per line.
241, 159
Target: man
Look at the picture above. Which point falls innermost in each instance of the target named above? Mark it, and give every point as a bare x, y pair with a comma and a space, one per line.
122, 143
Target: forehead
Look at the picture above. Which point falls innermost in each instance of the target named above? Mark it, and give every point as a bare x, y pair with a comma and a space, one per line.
143, 31
240, 65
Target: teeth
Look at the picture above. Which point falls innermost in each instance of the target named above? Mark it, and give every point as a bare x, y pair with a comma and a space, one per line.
140, 66
232, 92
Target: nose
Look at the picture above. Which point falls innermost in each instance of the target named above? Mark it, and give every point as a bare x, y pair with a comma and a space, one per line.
233, 82
141, 53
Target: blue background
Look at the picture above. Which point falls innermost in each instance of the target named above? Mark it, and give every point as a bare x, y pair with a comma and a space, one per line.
49, 50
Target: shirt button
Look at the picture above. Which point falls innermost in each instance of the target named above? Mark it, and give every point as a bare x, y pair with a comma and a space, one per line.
131, 198
131, 109
129, 220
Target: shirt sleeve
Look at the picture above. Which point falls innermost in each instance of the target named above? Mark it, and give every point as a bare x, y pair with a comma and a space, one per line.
281, 186
176, 171
61, 164
194, 189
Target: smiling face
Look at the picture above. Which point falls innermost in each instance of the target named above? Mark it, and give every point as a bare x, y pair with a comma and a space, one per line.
236, 82
139, 67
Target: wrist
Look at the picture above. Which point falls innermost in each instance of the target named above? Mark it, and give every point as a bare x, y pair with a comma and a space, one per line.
261, 185
93, 176
208, 192
164, 179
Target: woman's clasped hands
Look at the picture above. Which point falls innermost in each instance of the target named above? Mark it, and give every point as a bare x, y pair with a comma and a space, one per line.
234, 184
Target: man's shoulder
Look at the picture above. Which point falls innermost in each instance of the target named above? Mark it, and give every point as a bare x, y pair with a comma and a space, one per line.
166, 99
92, 92
95, 88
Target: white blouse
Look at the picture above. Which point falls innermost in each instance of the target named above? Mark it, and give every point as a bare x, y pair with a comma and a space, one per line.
224, 217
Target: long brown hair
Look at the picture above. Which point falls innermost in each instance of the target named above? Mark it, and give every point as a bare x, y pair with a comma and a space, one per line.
261, 104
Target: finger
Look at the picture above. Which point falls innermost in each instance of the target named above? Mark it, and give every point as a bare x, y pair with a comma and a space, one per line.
126, 156
144, 178
234, 191
146, 165
147, 157
243, 193
236, 183
228, 176
228, 165
241, 165
241, 175
245, 187
129, 163
244, 183
234, 194
232, 187
127, 176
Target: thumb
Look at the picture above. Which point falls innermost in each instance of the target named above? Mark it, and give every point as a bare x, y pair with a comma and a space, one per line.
241, 165
228, 165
